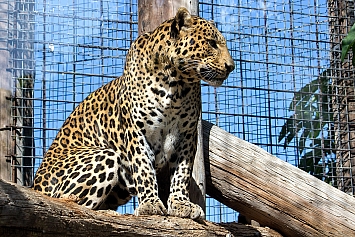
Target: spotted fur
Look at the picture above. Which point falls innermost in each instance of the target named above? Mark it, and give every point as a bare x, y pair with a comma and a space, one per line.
115, 142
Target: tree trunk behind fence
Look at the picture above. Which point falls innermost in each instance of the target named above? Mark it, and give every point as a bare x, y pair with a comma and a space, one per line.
5, 95
16, 119
341, 18
150, 15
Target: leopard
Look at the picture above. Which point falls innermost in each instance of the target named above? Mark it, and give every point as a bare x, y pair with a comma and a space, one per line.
116, 141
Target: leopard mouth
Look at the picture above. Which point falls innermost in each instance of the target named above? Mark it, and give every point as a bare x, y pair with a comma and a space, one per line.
215, 82
212, 77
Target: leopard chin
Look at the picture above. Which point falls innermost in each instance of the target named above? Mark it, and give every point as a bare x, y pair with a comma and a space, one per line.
213, 77
215, 82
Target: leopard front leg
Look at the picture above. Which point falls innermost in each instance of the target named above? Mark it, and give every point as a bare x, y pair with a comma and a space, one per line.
144, 175
181, 164
149, 202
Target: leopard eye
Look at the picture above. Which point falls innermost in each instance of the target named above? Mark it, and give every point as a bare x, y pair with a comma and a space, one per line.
213, 43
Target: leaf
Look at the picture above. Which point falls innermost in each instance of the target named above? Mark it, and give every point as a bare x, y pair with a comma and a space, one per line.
311, 123
325, 80
307, 93
289, 138
310, 159
347, 43
307, 114
329, 144
331, 164
305, 105
302, 141
288, 128
316, 127
288, 125
306, 162
304, 95
319, 171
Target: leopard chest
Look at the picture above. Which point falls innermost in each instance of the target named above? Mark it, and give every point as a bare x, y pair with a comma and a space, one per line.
164, 130
163, 111
163, 136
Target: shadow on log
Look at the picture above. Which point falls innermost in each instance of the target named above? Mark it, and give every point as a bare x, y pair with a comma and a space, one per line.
24, 212
272, 192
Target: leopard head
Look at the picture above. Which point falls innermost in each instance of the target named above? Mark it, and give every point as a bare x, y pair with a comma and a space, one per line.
200, 51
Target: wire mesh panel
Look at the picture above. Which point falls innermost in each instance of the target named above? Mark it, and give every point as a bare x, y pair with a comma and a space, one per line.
60, 51
17, 70
279, 47
278, 95
287, 85
79, 47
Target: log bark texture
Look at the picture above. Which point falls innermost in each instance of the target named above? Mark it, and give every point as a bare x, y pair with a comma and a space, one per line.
272, 192
24, 212
152, 13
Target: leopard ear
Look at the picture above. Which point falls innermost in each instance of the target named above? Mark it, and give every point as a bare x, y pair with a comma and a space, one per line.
181, 21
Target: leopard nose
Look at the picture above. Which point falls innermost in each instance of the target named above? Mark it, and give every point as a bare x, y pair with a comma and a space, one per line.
229, 66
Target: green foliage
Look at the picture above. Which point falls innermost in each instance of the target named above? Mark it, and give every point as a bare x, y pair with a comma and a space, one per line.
347, 44
309, 127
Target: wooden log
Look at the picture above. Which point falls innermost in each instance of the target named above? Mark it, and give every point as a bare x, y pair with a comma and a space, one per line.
264, 188
24, 212
6, 144
5, 132
198, 180
151, 13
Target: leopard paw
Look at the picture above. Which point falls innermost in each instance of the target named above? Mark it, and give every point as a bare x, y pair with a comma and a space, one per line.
109, 212
185, 209
151, 206
70, 198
